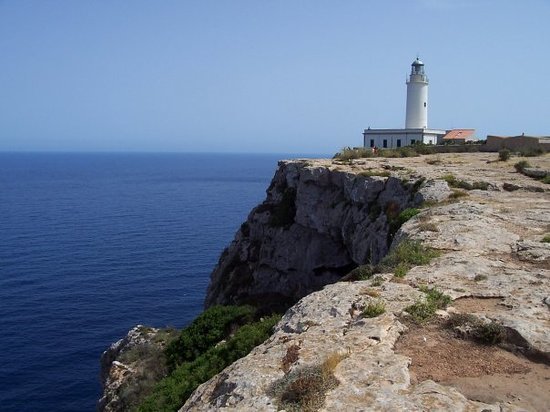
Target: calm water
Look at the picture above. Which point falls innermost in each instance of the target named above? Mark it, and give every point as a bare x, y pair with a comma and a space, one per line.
93, 244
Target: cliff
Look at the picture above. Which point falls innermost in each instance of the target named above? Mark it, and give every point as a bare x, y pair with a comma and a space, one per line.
466, 330
317, 223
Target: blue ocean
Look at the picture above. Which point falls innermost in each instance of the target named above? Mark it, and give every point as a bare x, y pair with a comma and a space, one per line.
93, 244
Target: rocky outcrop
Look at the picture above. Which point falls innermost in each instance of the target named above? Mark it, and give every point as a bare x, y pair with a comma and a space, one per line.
316, 224
322, 218
492, 264
131, 366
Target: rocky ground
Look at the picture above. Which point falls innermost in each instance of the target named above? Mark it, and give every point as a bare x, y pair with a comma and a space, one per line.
493, 265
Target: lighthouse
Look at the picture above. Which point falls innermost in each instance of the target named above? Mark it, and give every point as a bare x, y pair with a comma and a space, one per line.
417, 97
416, 122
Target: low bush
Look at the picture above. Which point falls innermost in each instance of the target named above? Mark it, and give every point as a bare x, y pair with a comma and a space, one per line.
210, 327
304, 389
371, 172
546, 179
423, 311
546, 238
374, 309
172, 392
405, 255
452, 181
488, 333
521, 165
397, 222
503, 155
479, 278
347, 153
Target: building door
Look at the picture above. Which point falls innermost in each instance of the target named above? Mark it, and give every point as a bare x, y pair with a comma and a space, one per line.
398, 142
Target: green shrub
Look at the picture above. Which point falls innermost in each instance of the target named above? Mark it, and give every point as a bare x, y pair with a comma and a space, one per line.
404, 216
546, 179
371, 172
405, 255
503, 155
521, 165
374, 309
172, 392
462, 184
422, 311
210, 327
546, 238
490, 333
347, 153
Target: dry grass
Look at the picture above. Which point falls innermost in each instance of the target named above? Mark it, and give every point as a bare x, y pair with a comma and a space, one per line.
304, 389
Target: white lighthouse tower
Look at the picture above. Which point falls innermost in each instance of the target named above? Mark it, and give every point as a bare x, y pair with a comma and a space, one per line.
417, 97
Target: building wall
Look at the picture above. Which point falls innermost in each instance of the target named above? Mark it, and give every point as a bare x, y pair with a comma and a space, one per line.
393, 140
495, 143
417, 104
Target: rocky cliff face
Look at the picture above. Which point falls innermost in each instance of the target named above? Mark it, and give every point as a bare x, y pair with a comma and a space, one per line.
493, 265
320, 219
316, 224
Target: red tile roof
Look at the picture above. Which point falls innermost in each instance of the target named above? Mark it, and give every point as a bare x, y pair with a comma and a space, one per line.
460, 134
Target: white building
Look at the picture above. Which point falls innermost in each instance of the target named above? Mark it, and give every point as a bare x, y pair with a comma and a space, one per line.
416, 121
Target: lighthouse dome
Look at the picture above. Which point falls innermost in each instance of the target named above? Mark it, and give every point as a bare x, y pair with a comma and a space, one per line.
417, 62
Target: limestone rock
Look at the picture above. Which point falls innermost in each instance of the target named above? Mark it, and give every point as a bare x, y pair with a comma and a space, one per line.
315, 225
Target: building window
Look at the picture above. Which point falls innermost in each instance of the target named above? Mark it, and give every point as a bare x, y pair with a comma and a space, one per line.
398, 142
424, 104
430, 141
413, 141
371, 142
385, 143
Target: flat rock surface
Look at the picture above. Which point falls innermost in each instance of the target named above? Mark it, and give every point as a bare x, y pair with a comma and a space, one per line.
493, 265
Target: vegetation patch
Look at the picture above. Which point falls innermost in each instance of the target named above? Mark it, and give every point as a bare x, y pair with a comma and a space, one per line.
348, 153
457, 194
470, 327
304, 389
405, 255
479, 278
546, 238
503, 155
452, 181
373, 172
209, 328
521, 165
374, 309
424, 310
172, 392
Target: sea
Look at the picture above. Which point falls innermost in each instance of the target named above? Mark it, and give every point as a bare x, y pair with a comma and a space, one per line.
92, 244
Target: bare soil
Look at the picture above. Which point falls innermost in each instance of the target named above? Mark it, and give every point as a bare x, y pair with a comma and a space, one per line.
482, 373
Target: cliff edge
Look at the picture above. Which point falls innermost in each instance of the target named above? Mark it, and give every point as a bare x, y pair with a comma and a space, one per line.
492, 265
467, 329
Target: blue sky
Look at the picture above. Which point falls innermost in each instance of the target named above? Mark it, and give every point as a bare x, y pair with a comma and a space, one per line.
263, 76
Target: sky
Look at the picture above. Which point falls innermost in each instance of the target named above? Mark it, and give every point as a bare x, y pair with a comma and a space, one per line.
282, 76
